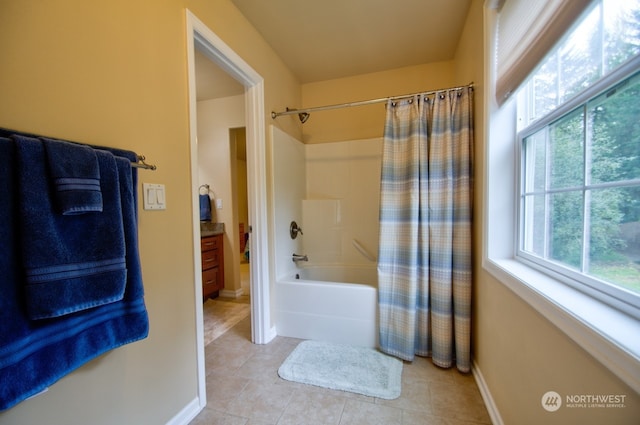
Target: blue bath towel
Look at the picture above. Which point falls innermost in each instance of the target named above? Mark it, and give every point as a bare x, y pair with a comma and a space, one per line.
34, 354
71, 262
75, 175
205, 207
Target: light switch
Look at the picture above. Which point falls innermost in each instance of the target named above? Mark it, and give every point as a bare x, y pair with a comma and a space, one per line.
218, 204
160, 196
154, 196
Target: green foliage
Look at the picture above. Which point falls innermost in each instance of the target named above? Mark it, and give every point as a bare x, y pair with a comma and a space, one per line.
586, 165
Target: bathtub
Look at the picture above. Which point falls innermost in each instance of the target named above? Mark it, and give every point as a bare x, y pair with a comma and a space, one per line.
329, 303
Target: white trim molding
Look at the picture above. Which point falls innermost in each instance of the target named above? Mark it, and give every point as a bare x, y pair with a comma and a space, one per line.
187, 414
229, 293
489, 403
199, 36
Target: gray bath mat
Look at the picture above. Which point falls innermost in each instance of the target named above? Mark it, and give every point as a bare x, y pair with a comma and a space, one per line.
359, 370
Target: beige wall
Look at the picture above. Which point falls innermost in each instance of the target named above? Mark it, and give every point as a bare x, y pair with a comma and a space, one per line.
115, 73
520, 354
239, 136
364, 122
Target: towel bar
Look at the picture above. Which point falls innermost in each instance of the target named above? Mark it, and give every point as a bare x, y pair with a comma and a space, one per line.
142, 164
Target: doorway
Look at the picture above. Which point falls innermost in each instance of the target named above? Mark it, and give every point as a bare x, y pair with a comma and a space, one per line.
199, 36
238, 149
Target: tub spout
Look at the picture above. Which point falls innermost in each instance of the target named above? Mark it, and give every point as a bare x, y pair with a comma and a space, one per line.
297, 258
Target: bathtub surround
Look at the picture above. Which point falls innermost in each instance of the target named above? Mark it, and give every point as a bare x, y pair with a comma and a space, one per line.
289, 188
343, 186
363, 274
332, 191
334, 188
324, 230
424, 267
359, 370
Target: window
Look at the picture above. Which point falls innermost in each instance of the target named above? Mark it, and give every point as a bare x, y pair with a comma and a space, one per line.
579, 148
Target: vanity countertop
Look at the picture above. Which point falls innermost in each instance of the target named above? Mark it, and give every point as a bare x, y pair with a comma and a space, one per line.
211, 229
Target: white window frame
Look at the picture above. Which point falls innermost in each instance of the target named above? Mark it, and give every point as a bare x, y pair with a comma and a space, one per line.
618, 298
607, 333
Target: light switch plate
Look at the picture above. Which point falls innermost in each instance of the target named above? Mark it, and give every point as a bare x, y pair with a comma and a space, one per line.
154, 196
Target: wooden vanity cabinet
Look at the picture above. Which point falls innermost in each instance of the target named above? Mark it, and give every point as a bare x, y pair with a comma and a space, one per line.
212, 265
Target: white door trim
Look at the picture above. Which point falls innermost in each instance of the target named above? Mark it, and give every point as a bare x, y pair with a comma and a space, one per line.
198, 34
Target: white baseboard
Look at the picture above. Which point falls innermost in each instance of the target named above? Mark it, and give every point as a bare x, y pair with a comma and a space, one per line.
188, 412
494, 414
228, 293
272, 334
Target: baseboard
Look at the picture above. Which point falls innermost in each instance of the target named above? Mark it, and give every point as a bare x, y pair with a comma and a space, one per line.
494, 414
228, 293
271, 334
188, 412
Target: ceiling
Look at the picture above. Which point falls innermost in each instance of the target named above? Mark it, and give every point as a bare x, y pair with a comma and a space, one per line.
326, 39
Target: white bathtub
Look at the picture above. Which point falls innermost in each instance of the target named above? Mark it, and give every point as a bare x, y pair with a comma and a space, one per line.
340, 308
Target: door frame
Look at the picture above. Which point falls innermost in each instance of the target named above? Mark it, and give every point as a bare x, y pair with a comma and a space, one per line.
198, 34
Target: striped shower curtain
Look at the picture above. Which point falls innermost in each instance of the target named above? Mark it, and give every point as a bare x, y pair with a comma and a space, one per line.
424, 266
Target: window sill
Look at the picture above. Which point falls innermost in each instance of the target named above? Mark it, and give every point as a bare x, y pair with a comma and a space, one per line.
607, 334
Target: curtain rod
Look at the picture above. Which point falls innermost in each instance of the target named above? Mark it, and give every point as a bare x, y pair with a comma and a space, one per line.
290, 111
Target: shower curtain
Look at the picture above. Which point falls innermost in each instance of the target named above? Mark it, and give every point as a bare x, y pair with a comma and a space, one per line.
424, 266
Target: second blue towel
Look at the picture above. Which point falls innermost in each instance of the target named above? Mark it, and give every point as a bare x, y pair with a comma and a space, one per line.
75, 173
71, 262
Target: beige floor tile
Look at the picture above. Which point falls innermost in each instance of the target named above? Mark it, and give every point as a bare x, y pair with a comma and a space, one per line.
226, 359
224, 389
364, 413
423, 369
462, 402
243, 388
261, 367
265, 402
211, 416
220, 316
415, 395
279, 346
420, 418
259, 422
313, 407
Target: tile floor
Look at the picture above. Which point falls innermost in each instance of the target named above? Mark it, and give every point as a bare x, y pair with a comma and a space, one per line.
243, 388
222, 314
